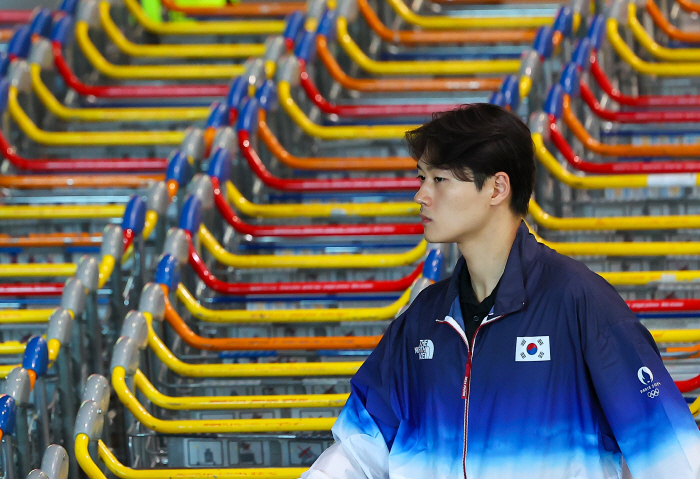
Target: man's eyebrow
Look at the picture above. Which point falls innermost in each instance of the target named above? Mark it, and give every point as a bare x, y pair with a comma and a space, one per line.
429, 167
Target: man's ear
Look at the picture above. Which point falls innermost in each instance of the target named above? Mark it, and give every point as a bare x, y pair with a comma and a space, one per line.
501, 188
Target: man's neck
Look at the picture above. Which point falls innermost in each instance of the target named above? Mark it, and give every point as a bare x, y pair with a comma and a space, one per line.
487, 254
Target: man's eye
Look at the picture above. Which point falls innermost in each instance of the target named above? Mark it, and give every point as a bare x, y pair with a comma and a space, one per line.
438, 179
421, 178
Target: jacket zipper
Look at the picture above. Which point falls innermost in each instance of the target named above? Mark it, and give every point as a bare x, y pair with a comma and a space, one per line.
466, 423
468, 380
465, 395
466, 386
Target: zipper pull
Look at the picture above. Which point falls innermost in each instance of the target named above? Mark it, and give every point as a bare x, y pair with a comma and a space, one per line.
465, 384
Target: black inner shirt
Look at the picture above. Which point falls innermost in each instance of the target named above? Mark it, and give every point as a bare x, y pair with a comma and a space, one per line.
473, 312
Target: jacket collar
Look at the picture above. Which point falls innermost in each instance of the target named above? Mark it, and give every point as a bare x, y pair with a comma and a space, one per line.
511, 296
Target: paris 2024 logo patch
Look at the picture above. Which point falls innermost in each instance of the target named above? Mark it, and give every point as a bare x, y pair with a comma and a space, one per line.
646, 377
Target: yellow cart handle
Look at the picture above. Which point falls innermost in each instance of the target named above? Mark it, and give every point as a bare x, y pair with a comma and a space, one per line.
316, 315
247, 27
142, 383
435, 67
203, 426
591, 182
174, 50
647, 68
87, 138
149, 72
361, 260
612, 223
245, 370
320, 210
111, 114
123, 472
446, 23
656, 50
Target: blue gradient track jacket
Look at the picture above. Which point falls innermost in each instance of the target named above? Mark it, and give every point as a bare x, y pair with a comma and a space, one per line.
561, 383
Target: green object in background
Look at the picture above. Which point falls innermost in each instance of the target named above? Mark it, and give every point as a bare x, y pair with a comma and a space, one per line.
152, 9
181, 17
178, 17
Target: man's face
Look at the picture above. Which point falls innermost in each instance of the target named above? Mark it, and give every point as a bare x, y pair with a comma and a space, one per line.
452, 210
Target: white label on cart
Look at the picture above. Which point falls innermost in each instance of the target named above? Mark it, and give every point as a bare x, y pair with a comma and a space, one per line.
304, 454
205, 453
245, 453
679, 179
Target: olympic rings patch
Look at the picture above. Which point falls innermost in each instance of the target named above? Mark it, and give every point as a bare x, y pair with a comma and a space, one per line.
653, 393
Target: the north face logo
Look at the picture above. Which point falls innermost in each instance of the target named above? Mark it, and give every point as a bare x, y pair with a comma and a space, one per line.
425, 349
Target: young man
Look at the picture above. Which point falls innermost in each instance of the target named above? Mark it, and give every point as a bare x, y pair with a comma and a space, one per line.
524, 364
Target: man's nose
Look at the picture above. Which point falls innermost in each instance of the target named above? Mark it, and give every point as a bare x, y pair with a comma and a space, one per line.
422, 197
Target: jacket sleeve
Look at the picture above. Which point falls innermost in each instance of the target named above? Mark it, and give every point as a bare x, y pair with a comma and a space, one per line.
367, 425
649, 418
336, 462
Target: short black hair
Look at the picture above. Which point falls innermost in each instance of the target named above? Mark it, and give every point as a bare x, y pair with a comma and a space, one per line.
475, 141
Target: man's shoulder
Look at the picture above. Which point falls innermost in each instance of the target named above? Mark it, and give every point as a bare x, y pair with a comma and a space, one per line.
428, 302
572, 280
565, 273
438, 288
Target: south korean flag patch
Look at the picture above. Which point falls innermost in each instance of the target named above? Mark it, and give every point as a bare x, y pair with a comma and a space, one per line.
532, 348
